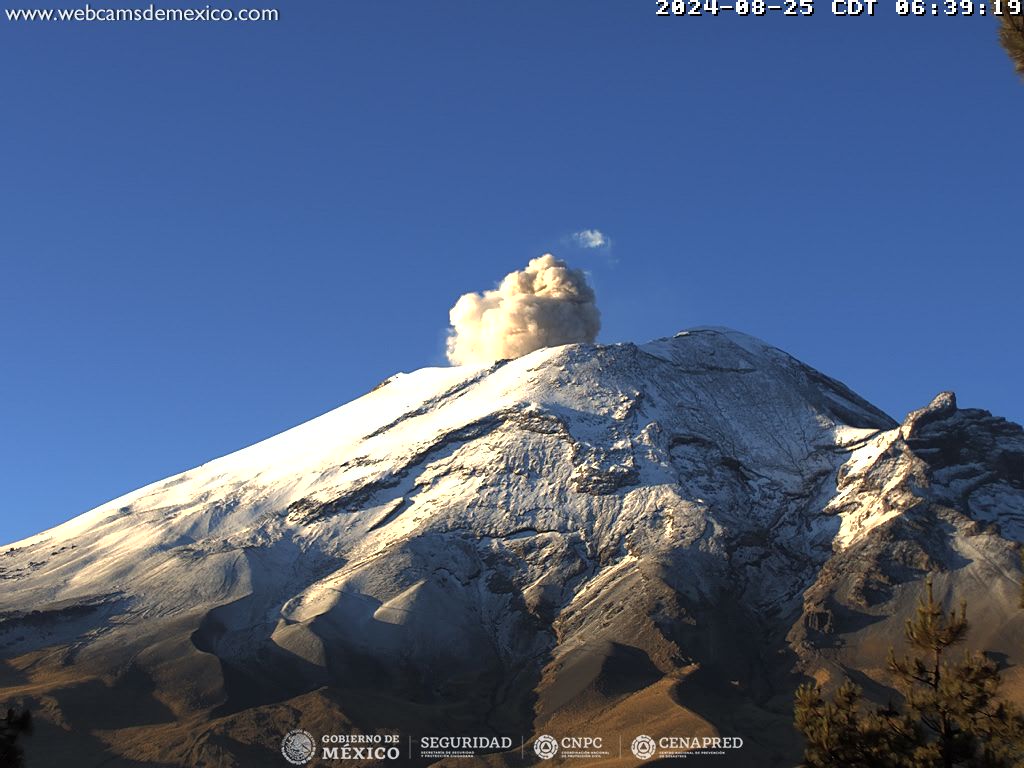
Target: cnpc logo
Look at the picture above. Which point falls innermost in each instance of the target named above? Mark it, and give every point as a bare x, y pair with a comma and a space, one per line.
546, 747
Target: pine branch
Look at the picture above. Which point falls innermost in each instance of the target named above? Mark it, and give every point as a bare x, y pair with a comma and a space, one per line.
1011, 36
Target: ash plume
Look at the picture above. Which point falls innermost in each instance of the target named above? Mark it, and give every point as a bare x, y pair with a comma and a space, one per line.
544, 305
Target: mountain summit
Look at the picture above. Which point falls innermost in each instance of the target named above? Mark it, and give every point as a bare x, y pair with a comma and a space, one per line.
663, 538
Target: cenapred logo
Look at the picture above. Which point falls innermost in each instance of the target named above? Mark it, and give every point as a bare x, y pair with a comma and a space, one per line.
298, 746
643, 747
546, 747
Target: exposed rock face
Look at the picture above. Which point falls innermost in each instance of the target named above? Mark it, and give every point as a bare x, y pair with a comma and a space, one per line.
627, 539
943, 493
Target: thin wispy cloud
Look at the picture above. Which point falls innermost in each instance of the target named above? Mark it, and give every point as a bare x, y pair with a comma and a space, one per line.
591, 238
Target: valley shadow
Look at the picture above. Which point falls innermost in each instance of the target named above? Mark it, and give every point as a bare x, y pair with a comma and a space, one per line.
826, 627
626, 670
381, 675
743, 681
438, 671
1002, 660
760, 714
871, 688
255, 671
53, 745
126, 703
10, 675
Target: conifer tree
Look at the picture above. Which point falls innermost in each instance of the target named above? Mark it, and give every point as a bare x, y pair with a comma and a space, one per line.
11, 728
841, 732
951, 716
953, 705
1011, 35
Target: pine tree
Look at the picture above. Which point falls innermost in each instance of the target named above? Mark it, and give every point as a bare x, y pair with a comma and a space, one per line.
11, 728
1011, 35
951, 716
841, 732
958, 719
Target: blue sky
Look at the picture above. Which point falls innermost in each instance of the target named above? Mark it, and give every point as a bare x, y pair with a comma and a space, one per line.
211, 233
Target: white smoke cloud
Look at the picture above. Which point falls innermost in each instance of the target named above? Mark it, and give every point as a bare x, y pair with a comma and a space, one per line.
544, 305
591, 238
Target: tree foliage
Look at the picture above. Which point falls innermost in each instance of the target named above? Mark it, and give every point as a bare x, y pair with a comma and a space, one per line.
951, 716
841, 731
11, 729
1011, 35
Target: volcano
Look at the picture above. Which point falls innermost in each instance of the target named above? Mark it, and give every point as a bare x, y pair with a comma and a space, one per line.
589, 541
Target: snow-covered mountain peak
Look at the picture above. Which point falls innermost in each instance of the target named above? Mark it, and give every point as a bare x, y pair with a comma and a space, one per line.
554, 509
491, 448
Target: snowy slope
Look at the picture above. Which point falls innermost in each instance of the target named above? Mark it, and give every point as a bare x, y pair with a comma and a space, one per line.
620, 411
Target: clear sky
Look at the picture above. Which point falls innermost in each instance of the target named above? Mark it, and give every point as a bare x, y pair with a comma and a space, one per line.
210, 233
